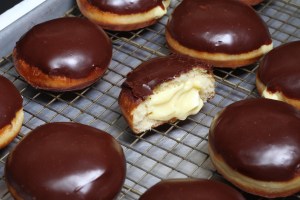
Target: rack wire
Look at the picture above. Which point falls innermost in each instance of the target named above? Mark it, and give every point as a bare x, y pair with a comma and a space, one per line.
176, 150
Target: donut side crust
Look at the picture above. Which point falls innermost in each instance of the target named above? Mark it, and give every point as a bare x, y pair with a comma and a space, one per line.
13, 192
221, 60
127, 104
116, 22
261, 87
256, 187
38, 79
10, 131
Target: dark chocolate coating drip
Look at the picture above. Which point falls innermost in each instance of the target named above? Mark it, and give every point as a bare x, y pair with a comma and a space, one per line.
218, 26
280, 70
191, 189
66, 161
126, 6
10, 102
259, 138
71, 47
142, 80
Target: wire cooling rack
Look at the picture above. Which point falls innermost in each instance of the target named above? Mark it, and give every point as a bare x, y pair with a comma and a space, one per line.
176, 150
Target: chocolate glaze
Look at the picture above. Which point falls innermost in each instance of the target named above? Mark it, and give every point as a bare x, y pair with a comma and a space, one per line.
191, 189
259, 138
280, 70
218, 26
10, 102
143, 79
71, 47
66, 161
126, 6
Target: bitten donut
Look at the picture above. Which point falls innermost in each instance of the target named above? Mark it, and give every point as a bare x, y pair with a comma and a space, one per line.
123, 15
66, 161
11, 112
163, 90
222, 33
63, 54
278, 74
191, 189
255, 144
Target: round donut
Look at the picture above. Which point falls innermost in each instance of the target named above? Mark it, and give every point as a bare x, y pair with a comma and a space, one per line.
123, 15
66, 161
63, 54
11, 111
255, 144
222, 33
191, 189
278, 74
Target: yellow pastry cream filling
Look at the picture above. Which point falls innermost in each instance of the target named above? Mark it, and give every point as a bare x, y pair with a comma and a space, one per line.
179, 101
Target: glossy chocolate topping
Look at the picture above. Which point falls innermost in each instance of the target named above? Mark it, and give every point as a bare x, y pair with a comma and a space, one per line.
218, 26
259, 138
142, 80
191, 189
71, 47
10, 102
280, 70
66, 161
126, 6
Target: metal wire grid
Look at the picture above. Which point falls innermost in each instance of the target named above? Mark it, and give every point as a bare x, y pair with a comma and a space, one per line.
175, 150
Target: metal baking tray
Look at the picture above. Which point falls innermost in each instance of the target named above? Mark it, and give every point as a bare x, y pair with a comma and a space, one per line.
176, 150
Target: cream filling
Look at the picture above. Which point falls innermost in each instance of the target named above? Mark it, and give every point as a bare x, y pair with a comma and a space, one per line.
178, 102
174, 99
269, 95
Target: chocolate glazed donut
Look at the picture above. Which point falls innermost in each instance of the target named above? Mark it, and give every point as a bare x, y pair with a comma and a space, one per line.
66, 161
255, 144
11, 111
165, 89
63, 54
10, 102
223, 33
278, 74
